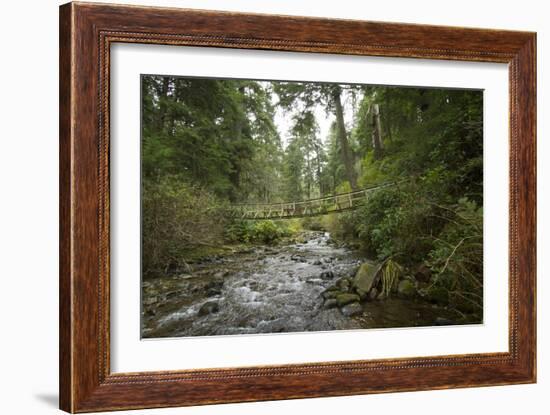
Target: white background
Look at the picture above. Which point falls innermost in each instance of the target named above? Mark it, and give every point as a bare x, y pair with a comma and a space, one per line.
129, 354
29, 228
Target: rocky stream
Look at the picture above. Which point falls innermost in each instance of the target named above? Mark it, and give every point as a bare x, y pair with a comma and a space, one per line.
312, 284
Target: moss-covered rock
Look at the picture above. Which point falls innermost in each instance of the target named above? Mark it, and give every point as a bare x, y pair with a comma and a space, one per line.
344, 284
332, 292
366, 277
344, 299
352, 309
330, 303
406, 289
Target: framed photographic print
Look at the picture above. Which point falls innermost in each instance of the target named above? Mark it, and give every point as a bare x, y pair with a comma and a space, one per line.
260, 207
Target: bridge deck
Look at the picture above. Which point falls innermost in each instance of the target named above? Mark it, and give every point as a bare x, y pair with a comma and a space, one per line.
311, 207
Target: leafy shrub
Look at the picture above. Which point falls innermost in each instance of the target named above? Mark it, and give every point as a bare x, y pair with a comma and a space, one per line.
239, 231
457, 257
175, 216
408, 222
291, 226
393, 222
313, 223
263, 231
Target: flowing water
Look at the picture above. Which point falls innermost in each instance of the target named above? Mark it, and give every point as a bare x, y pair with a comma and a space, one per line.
268, 290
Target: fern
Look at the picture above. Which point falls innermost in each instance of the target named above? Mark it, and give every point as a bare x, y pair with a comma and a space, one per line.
390, 275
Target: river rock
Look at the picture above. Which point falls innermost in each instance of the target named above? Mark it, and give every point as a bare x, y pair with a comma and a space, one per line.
330, 293
208, 308
150, 300
406, 289
330, 303
213, 292
332, 319
373, 293
344, 284
247, 251
363, 295
220, 274
352, 309
173, 294
344, 299
214, 287
317, 262
185, 276
327, 275
366, 277
422, 273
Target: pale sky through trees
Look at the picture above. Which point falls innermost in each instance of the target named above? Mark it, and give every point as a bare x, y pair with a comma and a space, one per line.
283, 119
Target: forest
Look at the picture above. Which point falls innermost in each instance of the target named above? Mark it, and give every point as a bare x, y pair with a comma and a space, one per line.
209, 145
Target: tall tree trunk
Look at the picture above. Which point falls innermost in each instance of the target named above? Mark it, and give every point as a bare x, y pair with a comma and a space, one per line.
387, 118
308, 176
347, 156
235, 175
376, 132
163, 107
318, 160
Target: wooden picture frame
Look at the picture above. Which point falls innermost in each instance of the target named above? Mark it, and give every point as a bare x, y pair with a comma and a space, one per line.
86, 33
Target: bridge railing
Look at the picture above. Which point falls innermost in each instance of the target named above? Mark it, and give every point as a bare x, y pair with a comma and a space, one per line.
311, 207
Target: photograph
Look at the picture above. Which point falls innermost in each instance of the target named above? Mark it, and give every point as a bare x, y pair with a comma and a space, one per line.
274, 206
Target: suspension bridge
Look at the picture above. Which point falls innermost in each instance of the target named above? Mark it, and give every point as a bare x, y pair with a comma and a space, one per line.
311, 207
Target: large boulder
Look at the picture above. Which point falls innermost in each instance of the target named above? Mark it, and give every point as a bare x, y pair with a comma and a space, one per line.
327, 275
352, 309
366, 278
362, 294
208, 308
330, 303
406, 289
343, 284
331, 292
422, 273
344, 299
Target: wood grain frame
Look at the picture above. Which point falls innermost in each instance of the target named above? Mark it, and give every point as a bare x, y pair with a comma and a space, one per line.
86, 33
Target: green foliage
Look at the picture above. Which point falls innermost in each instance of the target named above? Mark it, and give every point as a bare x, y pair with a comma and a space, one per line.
313, 223
239, 231
174, 216
433, 140
393, 221
266, 231
217, 133
457, 256
263, 231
